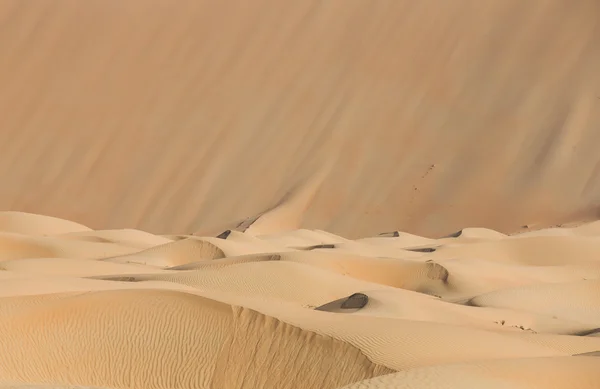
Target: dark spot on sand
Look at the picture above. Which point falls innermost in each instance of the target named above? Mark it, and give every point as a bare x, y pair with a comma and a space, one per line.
421, 249
224, 234
353, 302
320, 246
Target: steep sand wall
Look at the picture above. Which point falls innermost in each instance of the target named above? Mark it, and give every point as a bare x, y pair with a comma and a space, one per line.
180, 116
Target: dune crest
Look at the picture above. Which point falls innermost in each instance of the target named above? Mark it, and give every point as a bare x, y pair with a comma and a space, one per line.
175, 253
167, 339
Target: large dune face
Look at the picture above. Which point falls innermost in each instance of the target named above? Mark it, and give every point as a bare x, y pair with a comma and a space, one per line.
398, 114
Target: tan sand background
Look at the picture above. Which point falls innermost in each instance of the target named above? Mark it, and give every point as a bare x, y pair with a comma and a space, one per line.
358, 116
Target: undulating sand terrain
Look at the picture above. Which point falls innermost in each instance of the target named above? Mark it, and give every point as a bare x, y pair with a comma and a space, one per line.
329, 194
298, 309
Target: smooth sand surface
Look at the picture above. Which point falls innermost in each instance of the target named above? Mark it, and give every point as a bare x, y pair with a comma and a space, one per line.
551, 373
129, 309
346, 116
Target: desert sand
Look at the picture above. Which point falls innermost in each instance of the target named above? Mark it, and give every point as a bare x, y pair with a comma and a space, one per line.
353, 117
297, 309
265, 194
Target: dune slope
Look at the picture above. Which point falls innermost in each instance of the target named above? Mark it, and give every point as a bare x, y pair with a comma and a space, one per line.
348, 116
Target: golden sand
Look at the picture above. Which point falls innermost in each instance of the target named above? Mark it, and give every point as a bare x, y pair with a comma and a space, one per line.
285, 311
299, 194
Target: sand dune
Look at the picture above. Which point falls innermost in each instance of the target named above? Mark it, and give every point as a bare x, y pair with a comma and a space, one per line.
574, 300
348, 117
166, 339
174, 253
297, 195
195, 312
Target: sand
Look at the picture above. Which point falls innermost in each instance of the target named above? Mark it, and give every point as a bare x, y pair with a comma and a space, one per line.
314, 194
129, 309
345, 116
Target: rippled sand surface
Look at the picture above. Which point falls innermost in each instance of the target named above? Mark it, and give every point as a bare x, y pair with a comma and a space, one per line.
300, 309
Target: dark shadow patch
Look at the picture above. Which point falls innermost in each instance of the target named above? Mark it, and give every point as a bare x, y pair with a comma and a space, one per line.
115, 278
224, 234
588, 332
589, 354
454, 234
317, 246
246, 223
421, 249
393, 234
348, 304
355, 301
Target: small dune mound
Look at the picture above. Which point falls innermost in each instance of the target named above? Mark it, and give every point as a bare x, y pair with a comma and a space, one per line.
404, 304
534, 251
302, 238
397, 239
577, 300
175, 253
33, 224
192, 248
425, 277
476, 233
224, 262
288, 213
349, 304
14, 246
